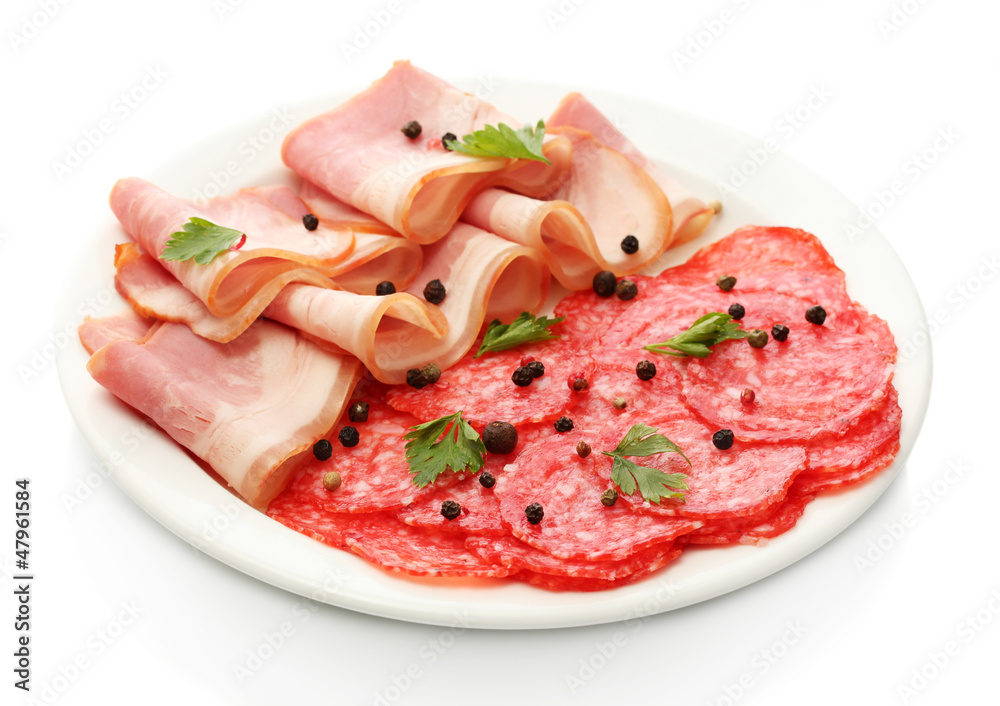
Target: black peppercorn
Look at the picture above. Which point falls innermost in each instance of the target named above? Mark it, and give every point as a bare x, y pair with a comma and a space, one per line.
322, 450
487, 479
726, 283
630, 244
605, 283
445, 139
723, 439
349, 436
522, 377
645, 369
816, 315
384, 288
358, 412
412, 129
757, 338
779, 332
737, 311
564, 424
310, 221
534, 513
415, 378
500, 437
450, 509
435, 292
626, 290
537, 368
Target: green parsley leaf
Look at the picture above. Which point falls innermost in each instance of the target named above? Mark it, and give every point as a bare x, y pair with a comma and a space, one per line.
503, 141
440, 444
201, 240
654, 484
524, 329
707, 331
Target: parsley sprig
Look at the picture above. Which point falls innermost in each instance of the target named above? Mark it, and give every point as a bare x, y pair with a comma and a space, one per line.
712, 328
524, 329
440, 444
503, 141
200, 240
654, 484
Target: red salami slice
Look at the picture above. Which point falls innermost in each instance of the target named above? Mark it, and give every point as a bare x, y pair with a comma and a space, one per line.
815, 481
743, 480
576, 525
878, 429
381, 538
588, 316
817, 383
374, 474
482, 387
753, 529
579, 583
877, 331
516, 555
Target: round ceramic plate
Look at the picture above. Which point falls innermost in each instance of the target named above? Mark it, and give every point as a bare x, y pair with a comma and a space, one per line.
773, 190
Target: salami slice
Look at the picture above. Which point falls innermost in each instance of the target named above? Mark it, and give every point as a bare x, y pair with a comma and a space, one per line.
815, 481
516, 555
875, 432
588, 316
752, 530
817, 383
374, 474
482, 387
576, 524
743, 480
580, 583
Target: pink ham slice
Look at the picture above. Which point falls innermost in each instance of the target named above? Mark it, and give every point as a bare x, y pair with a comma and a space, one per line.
246, 408
96, 333
278, 249
358, 153
691, 214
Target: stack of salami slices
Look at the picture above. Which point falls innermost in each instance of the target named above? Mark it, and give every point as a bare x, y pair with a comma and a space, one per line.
823, 415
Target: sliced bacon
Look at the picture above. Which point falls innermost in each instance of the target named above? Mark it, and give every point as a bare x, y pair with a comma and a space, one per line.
358, 153
278, 249
691, 214
246, 408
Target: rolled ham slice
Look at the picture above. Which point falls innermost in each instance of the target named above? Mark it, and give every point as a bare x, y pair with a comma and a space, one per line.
580, 227
278, 248
358, 153
691, 214
247, 408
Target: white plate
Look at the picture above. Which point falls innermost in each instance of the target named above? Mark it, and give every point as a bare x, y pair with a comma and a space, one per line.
163, 480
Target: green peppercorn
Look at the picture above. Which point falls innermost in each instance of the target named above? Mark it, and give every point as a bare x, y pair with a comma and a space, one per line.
434, 292
534, 513
310, 221
626, 290
331, 481
412, 129
500, 438
583, 449
816, 315
322, 450
779, 332
737, 311
359, 412
522, 376
384, 288
757, 338
609, 497
619, 403
726, 283
630, 244
605, 283
487, 479
431, 373
349, 436
563, 425
723, 439
645, 369
450, 509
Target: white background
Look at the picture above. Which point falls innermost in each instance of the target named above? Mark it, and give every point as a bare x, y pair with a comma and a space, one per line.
124, 609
